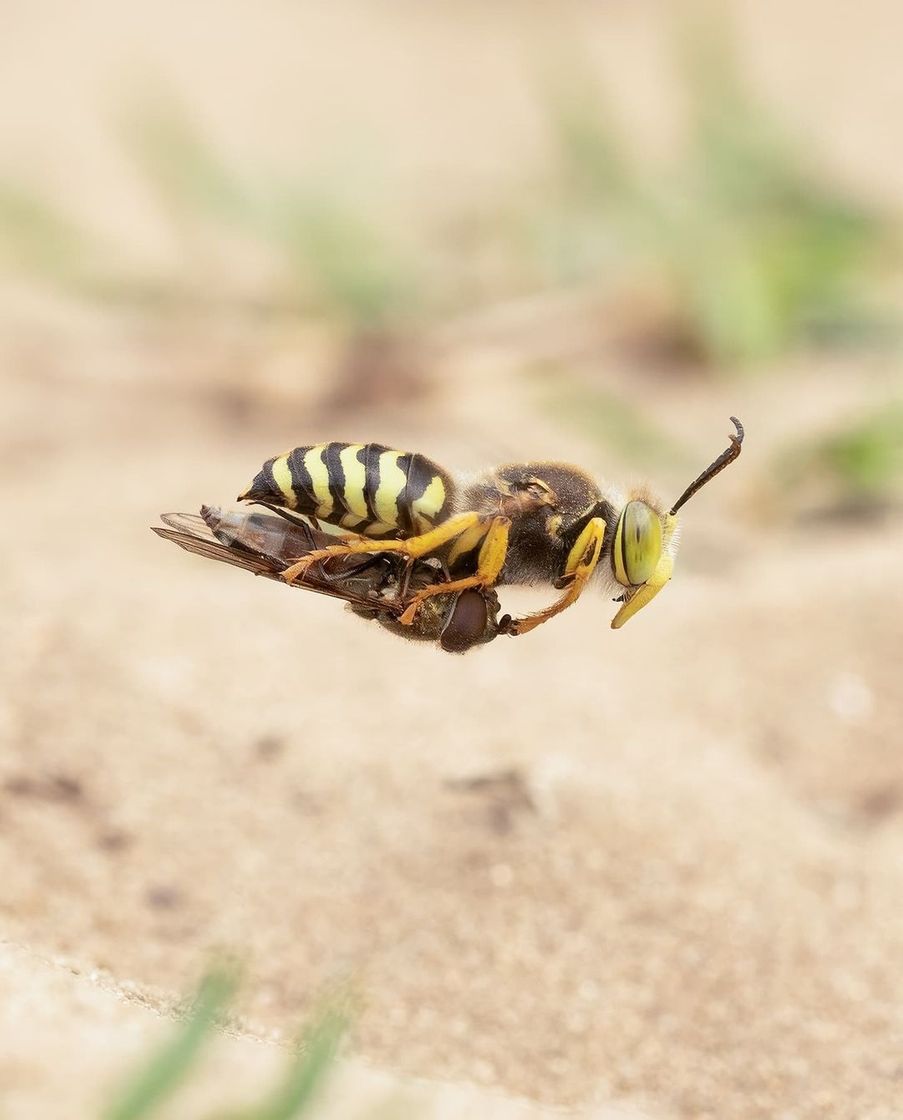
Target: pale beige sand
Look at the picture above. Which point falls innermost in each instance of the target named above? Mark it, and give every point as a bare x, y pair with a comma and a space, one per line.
683, 892
72, 1040
686, 897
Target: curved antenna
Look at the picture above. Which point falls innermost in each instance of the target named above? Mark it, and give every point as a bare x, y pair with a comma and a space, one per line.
723, 460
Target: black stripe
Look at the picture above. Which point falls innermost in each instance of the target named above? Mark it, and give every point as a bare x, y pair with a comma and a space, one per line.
369, 456
421, 473
301, 480
262, 487
336, 474
267, 482
405, 518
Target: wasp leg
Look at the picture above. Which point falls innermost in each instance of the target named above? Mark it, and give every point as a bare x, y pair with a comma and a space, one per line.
581, 564
490, 561
413, 547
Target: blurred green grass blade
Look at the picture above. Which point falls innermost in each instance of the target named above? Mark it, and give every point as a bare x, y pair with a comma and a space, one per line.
168, 1068
806, 249
36, 236
332, 254
598, 202
608, 420
592, 155
867, 457
856, 466
727, 291
181, 164
345, 261
753, 250
306, 1074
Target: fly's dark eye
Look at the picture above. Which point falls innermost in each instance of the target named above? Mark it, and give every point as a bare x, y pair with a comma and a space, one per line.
466, 623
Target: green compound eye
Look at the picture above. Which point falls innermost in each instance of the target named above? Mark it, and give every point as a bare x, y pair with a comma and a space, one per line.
638, 544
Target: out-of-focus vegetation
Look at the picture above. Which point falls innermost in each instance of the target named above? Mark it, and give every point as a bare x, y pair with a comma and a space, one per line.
327, 258
733, 253
855, 469
156, 1081
745, 248
37, 238
320, 254
172, 1066
609, 419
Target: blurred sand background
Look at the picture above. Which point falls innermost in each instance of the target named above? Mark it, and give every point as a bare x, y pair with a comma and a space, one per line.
653, 873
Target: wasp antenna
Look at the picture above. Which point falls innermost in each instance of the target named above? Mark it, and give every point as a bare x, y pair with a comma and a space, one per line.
724, 459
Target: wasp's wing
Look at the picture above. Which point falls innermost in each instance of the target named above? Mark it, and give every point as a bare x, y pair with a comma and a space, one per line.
361, 582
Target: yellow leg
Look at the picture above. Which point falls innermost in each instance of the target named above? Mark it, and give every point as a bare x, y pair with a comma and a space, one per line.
581, 564
413, 547
490, 562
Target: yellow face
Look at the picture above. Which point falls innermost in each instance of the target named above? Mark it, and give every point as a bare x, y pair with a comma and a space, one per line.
638, 544
642, 562
645, 541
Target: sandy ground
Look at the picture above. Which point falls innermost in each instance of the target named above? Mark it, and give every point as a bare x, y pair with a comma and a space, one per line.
658, 868
655, 873
92, 1026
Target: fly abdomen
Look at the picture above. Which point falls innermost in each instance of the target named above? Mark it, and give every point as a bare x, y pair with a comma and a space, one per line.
366, 488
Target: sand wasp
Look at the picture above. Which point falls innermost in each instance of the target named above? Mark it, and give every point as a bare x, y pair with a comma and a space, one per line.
375, 586
524, 523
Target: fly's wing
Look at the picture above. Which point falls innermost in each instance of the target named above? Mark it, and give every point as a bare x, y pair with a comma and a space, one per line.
267, 545
189, 531
283, 538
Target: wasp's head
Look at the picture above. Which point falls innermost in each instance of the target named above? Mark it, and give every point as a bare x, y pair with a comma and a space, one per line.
642, 554
645, 539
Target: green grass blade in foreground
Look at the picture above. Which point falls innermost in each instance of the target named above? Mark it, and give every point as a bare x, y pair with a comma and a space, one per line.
168, 1068
305, 1075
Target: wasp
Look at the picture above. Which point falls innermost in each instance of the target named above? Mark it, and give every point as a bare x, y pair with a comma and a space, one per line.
376, 587
523, 523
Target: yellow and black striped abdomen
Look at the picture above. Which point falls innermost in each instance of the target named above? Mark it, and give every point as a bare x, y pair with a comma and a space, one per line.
364, 487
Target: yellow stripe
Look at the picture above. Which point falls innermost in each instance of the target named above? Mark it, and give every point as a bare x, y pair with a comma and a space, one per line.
392, 482
379, 529
355, 481
282, 476
430, 502
319, 479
